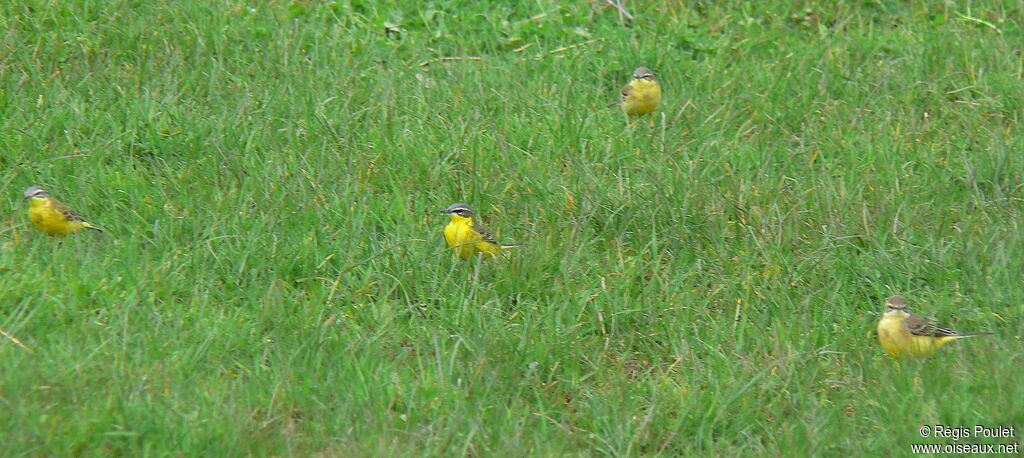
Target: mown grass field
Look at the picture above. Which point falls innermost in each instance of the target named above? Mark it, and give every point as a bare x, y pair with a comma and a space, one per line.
273, 281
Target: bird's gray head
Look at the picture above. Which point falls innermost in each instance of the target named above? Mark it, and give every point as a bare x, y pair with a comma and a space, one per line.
460, 209
894, 303
643, 73
34, 192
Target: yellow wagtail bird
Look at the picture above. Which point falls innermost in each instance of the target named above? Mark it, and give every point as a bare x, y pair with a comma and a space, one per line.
903, 334
52, 216
468, 237
641, 95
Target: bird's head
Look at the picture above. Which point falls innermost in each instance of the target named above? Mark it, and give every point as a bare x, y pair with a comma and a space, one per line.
643, 73
457, 211
896, 306
35, 192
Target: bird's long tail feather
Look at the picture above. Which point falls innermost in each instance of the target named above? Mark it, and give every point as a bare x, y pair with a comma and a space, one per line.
972, 334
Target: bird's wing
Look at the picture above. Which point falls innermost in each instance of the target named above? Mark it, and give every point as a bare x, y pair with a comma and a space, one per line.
68, 213
486, 234
628, 89
920, 327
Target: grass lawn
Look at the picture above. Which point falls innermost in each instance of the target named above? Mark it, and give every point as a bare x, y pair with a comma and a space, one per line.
273, 281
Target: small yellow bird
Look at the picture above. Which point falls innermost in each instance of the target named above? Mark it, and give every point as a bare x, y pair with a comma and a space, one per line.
52, 216
641, 95
903, 334
467, 237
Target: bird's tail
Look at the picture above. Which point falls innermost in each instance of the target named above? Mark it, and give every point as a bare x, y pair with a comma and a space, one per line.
90, 226
972, 334
510, 245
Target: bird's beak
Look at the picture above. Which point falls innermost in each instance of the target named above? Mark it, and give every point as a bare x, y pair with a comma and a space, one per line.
445, 212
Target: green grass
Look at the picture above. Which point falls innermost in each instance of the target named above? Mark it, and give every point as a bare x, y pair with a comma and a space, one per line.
273, 280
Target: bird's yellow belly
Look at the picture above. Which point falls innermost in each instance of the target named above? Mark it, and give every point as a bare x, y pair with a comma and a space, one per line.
52, 222
899, 343
467, 242
462, 239
644, 98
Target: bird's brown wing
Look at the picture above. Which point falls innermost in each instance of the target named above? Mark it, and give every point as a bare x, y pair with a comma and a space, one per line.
920, 327
628, 89
486, 234
68, 213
